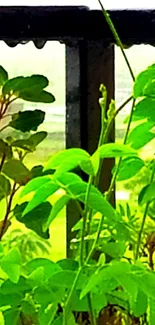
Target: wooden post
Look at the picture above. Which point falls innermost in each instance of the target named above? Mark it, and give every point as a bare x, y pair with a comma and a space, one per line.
88, 64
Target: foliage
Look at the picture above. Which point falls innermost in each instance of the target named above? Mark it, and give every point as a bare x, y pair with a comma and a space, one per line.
118, 287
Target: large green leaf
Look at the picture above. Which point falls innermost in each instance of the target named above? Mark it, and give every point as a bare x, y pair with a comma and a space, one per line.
151, 312
101, 279
144, 81
22, 84
11, 264
3, 76
67, 160
31, 143
145, 279
40, 97
115, 250
47, 315
11, 316
141, 135
10, 299
41, 195
145, 109
34, 184
75, 188
5, 187
147, 194
57, 207
10, 288
36, 218
49, 267
113, 150
17, 171
96, 200
65, 279
139, 306
129, 167
27, 120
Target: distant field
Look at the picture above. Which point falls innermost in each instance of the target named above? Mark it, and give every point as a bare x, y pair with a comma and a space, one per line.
50, 61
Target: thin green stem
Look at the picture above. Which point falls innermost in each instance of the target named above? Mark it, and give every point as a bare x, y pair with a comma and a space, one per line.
123, 105
91, 310
69, 298
111, 187
85, 213
144, 218
113, 180
117, 38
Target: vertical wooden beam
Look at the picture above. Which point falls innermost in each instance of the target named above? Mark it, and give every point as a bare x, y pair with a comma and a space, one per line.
88, 64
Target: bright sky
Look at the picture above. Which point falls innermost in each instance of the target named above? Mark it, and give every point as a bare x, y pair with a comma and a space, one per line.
93, 4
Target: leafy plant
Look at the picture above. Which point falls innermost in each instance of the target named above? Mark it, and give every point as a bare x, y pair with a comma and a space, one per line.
118, 287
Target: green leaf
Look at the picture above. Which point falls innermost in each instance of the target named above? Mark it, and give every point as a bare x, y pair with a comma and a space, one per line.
11, 316
144, 109
101, 279
36, 218
31, 143
145, 279
67, 160
57, 207
113, 150
11, 264
27, 120
96, 200
5, 149
141, 135
10, 299
41, 195
48, 266
147, 194
3, 76
37, 97
5, 187
17, 85
36, 278
68, 264
34, 184
151, 311
2, 321
47, 315
115, 250
65, 278
129, 167
139, 306
95, 160
10, 288
17, 171
144, 81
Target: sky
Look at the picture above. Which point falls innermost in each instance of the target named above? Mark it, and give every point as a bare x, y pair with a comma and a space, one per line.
93, 4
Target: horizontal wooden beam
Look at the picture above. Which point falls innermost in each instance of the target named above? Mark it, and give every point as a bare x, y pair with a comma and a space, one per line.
68, 23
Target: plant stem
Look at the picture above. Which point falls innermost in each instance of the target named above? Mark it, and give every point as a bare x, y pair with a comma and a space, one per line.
117, 38
2, 162
91, 309
69, 298
8, 209
85, 213
144, 218
111, 187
